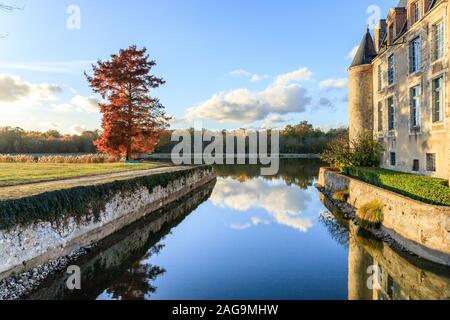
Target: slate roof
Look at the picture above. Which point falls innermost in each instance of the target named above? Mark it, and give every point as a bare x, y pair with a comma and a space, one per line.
366, 51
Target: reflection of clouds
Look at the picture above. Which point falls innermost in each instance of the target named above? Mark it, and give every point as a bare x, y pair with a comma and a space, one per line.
255, 221
283, 203
240, 227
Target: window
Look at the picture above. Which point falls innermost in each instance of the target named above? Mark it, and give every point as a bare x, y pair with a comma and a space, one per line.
416, 165
380, 77
380, 116
438, 40
414, 55
391, 73
431, 162
437, 99
415, 10
391, 114
415, 107
393, 159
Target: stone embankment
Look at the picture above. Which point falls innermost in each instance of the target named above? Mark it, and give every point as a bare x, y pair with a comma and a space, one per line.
34, 230
420, 228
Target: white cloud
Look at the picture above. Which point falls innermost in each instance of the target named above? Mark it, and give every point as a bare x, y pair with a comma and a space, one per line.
257, 77
49, 126
273, 122
239, 73
253, 76
13, 89
78, 128
79, 103
283, 203
352, 53
68, 67
283, 96
334, 83
294, 76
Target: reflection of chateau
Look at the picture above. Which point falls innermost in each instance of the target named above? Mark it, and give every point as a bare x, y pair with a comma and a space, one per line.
398, 88
119, 266
398, 277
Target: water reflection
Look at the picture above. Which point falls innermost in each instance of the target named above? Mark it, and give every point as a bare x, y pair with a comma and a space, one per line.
396, 275
121, 262
378, 272
283, 198
250, 237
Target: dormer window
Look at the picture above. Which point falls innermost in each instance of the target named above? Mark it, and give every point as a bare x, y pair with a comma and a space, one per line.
415, 11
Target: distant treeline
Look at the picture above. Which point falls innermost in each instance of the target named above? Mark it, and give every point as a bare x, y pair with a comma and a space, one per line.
17, 140
294, 139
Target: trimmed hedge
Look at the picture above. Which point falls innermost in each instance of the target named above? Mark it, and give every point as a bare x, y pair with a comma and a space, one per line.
426, 189
84, 202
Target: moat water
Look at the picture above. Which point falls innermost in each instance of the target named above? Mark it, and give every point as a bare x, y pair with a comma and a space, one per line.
251, 237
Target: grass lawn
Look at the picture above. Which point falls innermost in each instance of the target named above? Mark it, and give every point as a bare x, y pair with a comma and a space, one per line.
22, 173
425, 189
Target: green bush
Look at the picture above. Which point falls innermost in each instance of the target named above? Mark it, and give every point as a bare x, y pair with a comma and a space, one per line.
343, 154
342, 195
370, 215
82, 203
426, 189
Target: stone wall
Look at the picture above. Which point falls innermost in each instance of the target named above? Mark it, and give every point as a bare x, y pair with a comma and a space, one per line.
23, 247
421, 228
360, 100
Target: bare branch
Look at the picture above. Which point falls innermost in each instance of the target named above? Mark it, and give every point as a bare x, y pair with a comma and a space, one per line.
5, 7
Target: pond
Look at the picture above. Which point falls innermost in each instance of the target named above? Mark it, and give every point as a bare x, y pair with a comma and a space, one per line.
251, 237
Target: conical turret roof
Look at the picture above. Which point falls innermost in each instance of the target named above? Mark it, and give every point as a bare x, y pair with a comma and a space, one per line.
366, 51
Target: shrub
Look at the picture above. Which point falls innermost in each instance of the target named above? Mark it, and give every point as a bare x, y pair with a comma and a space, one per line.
343, 154
338, 153
426, 189
342, 195
16, 158
89, 158
370, 215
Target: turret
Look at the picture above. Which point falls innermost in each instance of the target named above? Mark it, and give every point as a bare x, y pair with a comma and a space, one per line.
360, 91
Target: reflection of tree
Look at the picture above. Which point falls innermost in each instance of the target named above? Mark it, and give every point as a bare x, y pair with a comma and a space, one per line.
136, 282
294, 172
337, 228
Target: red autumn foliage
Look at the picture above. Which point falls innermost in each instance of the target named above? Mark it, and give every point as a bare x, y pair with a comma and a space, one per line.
132, 119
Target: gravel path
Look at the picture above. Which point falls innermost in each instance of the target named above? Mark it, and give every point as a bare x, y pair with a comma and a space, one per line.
27, 190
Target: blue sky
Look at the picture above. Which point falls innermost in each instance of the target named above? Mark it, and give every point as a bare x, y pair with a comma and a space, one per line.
230, 63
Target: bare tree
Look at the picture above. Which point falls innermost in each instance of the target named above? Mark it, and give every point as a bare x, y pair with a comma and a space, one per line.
7, 8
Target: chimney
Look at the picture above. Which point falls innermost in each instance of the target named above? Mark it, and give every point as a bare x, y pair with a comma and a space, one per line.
379, 33
426, 6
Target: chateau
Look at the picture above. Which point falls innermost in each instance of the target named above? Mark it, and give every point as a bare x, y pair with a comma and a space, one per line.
399, 84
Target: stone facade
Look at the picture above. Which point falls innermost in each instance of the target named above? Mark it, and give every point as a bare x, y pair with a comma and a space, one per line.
406, 104
421, 228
